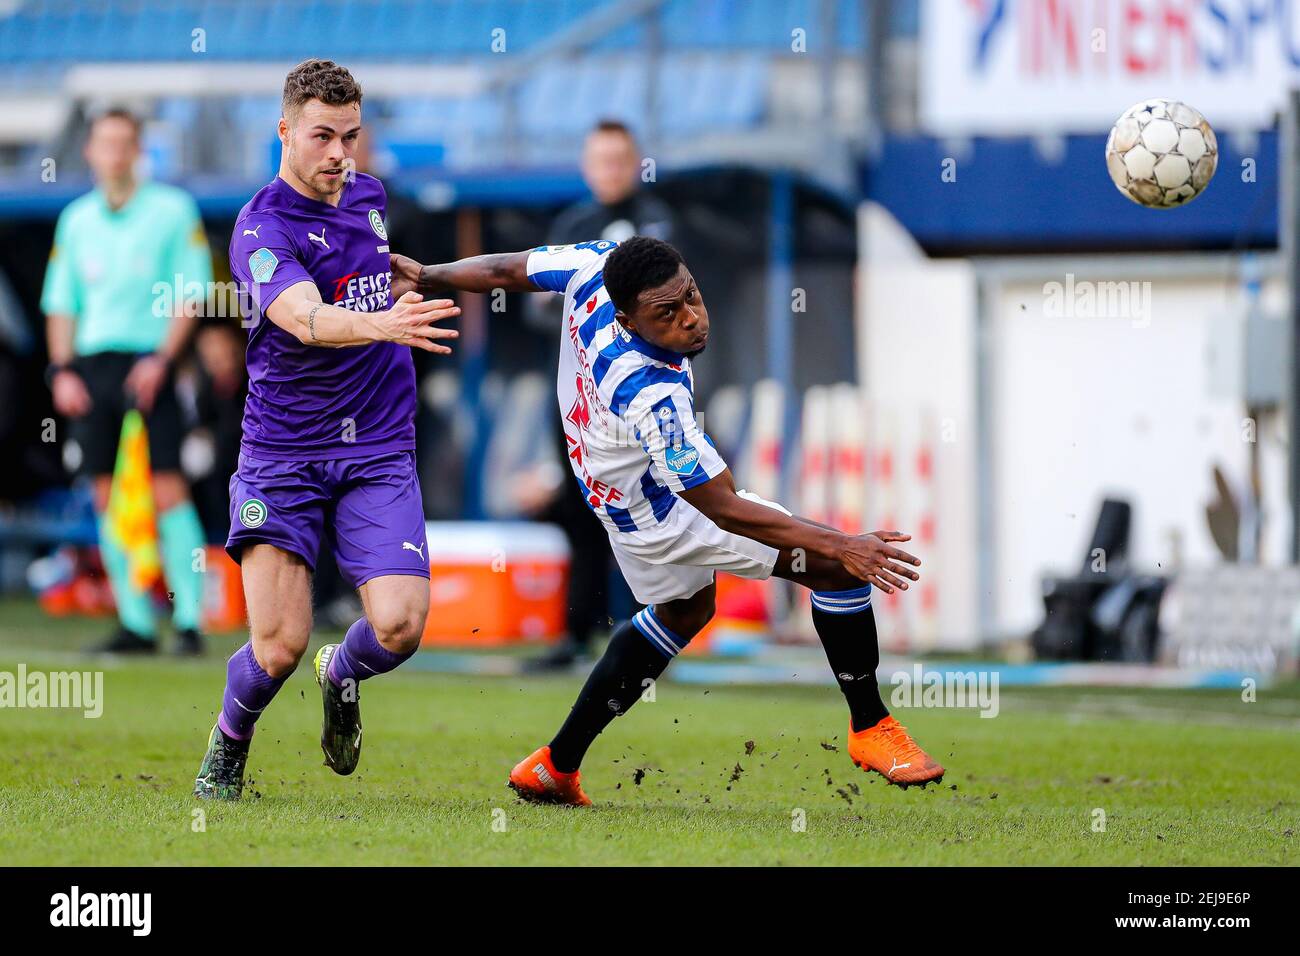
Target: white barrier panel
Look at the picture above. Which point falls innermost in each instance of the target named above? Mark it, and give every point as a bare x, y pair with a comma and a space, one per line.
1109, 401
924, 594
885, 512
762, 474
916, 362
848, 429
813, 498
1233, 616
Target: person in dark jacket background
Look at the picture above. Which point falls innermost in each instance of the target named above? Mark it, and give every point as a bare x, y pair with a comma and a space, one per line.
613, 169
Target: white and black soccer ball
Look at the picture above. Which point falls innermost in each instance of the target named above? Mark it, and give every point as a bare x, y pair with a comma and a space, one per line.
1161, 153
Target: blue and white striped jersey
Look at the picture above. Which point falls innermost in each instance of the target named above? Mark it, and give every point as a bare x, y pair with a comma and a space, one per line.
628, 406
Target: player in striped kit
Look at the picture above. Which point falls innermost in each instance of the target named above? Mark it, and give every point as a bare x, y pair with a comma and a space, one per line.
634, 319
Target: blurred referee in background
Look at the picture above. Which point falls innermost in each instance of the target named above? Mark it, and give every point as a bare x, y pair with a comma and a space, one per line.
110, 351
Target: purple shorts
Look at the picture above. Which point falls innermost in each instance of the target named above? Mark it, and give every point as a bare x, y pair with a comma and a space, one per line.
371, 508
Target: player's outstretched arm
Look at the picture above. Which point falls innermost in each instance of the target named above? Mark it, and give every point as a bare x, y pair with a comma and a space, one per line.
300, 312
508, 271
868, 557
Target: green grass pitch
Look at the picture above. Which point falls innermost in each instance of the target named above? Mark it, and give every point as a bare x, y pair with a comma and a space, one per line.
1182, 777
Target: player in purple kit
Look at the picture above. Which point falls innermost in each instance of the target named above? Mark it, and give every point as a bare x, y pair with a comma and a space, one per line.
329, 428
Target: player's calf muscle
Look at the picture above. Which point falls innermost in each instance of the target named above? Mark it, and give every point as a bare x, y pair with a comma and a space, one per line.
688, 616
814, 573
277, 587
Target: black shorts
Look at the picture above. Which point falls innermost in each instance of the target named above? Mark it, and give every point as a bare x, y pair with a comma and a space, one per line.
97, 433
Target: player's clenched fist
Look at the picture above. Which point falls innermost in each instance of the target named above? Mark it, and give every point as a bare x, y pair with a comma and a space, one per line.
870, 557
406, 274
411, 322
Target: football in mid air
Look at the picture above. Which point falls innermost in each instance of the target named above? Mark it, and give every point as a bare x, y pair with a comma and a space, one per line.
1161, 153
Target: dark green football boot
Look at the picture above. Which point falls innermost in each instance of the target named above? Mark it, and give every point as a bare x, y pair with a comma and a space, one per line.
221, 775
340, 734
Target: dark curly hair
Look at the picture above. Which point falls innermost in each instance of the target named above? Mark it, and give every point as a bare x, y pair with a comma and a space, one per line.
322, 80
638, 264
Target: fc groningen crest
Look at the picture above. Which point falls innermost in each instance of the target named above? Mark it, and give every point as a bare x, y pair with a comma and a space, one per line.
252, 513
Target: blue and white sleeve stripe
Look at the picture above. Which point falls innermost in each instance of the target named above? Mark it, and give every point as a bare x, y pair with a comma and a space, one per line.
843, 602
553, 267
653, 630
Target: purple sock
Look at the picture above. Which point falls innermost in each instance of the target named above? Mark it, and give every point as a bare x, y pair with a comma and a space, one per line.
361, 655
248, 690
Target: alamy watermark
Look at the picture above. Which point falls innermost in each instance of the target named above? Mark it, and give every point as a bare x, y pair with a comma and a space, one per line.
72, 690
1085, 299
923, 688
133, 911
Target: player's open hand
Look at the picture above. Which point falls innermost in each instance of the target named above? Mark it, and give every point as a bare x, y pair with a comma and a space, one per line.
406, 274
411, 322
871, 558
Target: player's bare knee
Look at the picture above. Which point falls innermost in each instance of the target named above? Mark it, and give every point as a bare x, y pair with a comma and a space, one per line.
703, 607
835, 580
279, 658
280, 643
400, 630
704, 611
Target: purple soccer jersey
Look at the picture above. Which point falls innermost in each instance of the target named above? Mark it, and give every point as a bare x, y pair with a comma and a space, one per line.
329, 434
307, 403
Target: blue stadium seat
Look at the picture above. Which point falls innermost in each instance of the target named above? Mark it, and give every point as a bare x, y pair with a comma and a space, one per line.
688, 24
257, 112
444, 123
401, 29
538, 98
480, 115
79, 31
181, 111
625, 98
278, 28
716, 61
255, 118
703, 92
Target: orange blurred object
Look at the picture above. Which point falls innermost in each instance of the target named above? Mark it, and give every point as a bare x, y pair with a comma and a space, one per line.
223, 592
742, 606
495, 583
87, 594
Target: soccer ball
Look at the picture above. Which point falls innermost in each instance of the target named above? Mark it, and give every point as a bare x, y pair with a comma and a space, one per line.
1161, 153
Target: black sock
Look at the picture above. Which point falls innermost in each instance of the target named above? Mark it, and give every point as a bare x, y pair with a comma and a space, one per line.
847, 628
615, 684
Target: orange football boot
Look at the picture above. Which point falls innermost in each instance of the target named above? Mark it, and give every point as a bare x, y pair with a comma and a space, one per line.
536, 780
889, 749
